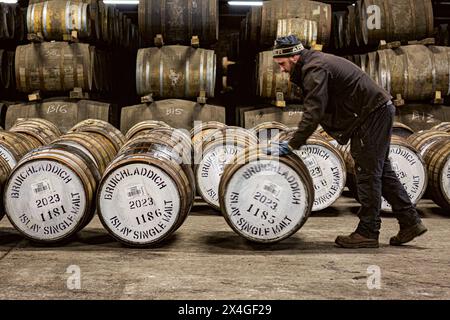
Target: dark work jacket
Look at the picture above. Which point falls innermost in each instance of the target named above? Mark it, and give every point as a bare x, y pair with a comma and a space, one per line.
338, 95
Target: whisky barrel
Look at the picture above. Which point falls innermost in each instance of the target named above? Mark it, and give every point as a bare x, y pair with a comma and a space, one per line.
175, 72
437, 159
400, 20
177, 113
371, 66
414, 71
104, 128
326, 167
264, 198
339, 29
289, 116
444, 126
401, 130
305, 30
13, 146
179, 20
425, 139
218, 150
274, 10
54, 67
50, 194
145, 194
419, 116
63, 112
267, 130
144, 127
202, 129
96, 146
272, 80
5, 169
54, 19
42, 130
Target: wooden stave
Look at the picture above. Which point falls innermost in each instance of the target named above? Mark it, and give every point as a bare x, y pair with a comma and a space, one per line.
423, 140
146, 125
443, 126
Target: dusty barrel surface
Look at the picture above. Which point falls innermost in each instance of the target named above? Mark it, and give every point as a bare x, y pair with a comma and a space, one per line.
267, 130
5, 169
202, 130
339, 29
414, 71
266, 199
399, 20
425, 139
63, 112
272, 80
144, 127
349, 27
147, 191
49, 194
175, 72
218, 150
96, 146
444, 126
104, 128
54, 19
401, 130
179, 20
40, 129
326, 167
274, 10
54, 67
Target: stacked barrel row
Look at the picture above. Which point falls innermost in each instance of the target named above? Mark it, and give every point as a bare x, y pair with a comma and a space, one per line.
367, 22
93, 21
414, 72
173, 69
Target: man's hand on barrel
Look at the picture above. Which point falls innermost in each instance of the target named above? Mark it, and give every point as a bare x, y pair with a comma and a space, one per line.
278, 148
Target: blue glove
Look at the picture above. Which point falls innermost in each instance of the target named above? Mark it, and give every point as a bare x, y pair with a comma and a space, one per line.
279, 149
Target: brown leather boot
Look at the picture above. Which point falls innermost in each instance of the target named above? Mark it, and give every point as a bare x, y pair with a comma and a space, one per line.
407, 234
355, 240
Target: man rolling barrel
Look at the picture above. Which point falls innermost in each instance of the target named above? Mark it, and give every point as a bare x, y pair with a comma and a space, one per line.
349, 105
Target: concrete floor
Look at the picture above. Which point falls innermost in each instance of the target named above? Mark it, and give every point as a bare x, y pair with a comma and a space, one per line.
205, 259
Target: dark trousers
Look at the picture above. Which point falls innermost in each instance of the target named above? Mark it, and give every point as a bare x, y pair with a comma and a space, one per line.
374, 174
